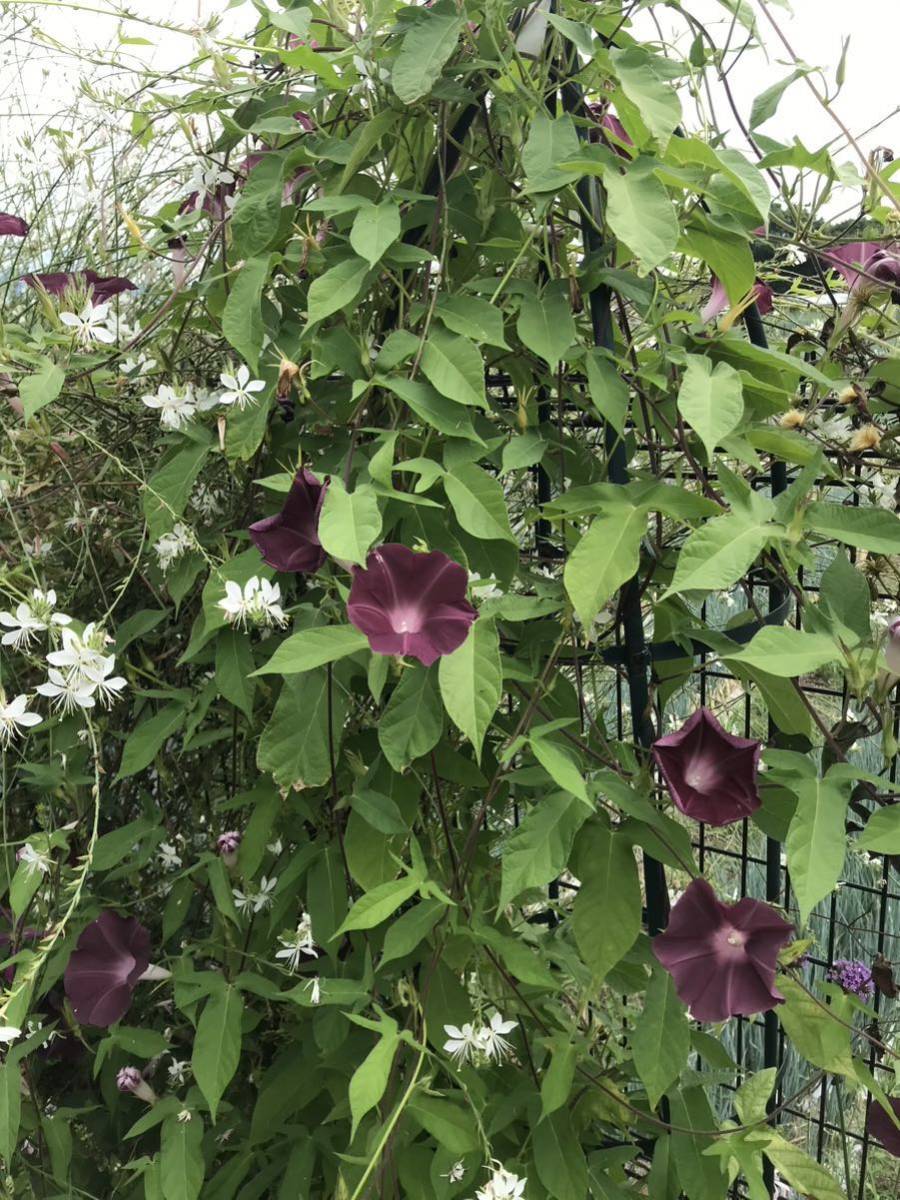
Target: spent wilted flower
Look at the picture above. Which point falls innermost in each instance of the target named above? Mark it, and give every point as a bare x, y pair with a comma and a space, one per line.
257, 603
289, 540
853, 976
411, 603
175, 408
868, 437
710, 773
89, 325
722, 957
239, 388
15, 717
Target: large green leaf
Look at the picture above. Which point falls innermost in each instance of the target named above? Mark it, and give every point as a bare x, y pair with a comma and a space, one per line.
606, 557
375, 227
787, 652
446, 416
819, 1033
169, 487
559, 1158
711, 400
10, 1108
40, 389
412, 723
181, 1165
426, 48
349, 521
145, 742
471, 681
874, 529
661, 1037
472, 317
720, 552
606, 916
657, 102
478, 502
538, 850
254, 221
294, 747
803, 1173
545, 325
338, 287
550, 142
242, 323
640, 212
882, 832
816, 842
217, 1044
314, 647
455, 367
370, 1078
234, 669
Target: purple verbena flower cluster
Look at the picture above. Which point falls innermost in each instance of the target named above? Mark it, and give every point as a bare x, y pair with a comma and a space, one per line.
854, 977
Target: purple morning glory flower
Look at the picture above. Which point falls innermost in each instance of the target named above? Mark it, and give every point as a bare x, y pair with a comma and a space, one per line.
718, 301
722, 957
880, 1126
853, 976
11, 226
102, 287
289, 540
710, 773
111, 955
866, 265
411, 603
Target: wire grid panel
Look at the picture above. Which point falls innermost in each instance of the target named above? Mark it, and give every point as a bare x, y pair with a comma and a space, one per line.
860, 920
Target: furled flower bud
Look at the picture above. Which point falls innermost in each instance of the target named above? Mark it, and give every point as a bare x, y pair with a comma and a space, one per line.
892, 647
227, 844
129, 1079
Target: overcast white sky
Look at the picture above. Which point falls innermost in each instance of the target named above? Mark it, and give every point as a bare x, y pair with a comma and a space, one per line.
816, 30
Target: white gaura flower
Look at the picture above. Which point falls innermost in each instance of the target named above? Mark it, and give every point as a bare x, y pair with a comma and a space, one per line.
314, 987
177, 1072
168, 856
239, 388
14, 717
502, 1185
31, 618
456, 1172
82, 654
263, 898
299, 944
176, 409
492, 1037
9, 1033
107, 687
173, 545
35, 860
67, 692
257, 603
89, 325
462, 1044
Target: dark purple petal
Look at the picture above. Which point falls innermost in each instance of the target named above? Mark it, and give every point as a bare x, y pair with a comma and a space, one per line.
11, 226
722, 957
103, 287
854, 260
411, 603
710, 773
880, 1126
103, 969
289, 540
609, 123
718, 301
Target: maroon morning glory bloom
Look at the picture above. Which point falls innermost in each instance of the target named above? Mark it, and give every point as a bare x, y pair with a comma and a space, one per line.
722, 957
289, 540
866, 264
103, 287
411, 603
710, 773
110, 957
880, 1126
11, 226
718, 301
